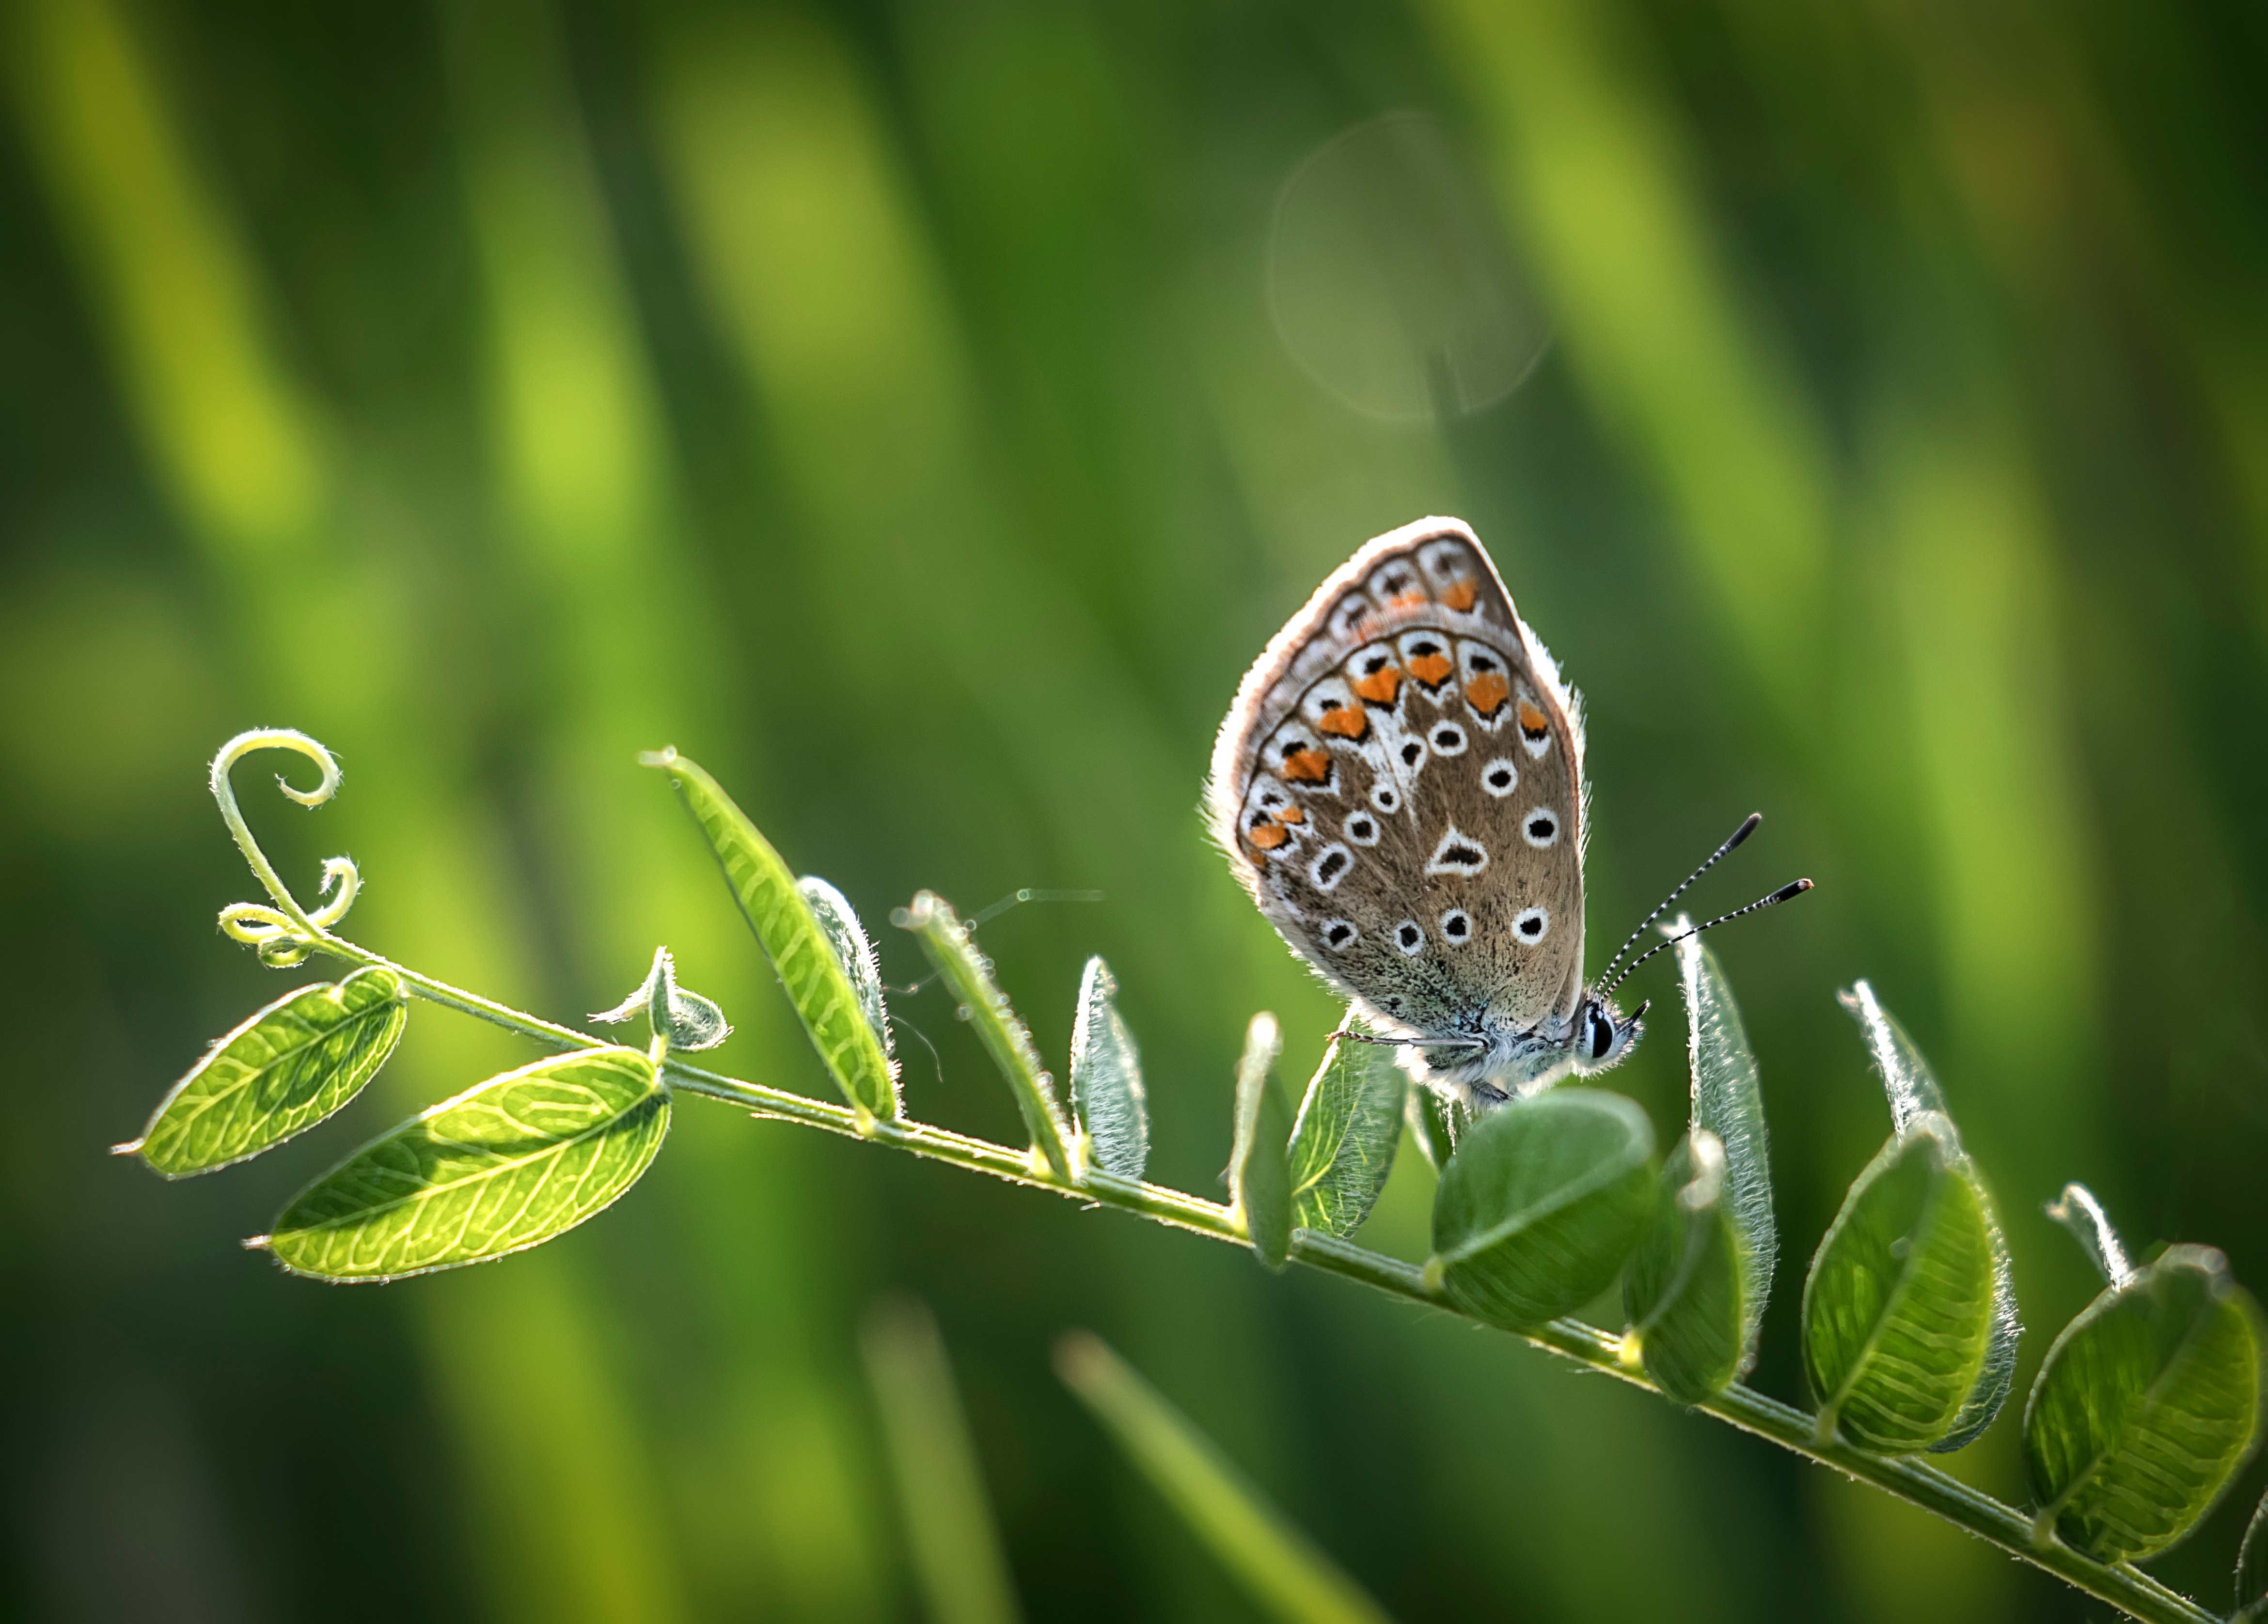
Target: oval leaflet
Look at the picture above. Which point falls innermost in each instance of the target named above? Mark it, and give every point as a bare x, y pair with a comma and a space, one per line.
281, 1072
505, 1166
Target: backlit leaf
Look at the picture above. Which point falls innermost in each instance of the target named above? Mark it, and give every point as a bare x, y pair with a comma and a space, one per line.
1912, 1091
819, 986
968, 976
854, 951
2252, 1569
1107, 1095
1682, 1287
1543, 1200
283, 1071
1259, 1181
503, 1166
1343, 1142
2145, 1408
1898, 1311
1728, 1103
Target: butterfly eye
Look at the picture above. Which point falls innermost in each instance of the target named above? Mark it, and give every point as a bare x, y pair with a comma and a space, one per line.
1603, 1033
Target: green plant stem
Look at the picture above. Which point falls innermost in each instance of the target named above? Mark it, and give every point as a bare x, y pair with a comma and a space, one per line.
2124, 1587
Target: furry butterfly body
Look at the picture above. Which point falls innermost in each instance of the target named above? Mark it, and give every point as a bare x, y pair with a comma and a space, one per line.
1399, 785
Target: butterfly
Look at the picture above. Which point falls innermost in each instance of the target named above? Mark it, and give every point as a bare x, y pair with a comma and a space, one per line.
1399, 785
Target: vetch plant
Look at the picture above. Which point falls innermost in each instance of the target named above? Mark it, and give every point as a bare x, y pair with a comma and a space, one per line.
2147, 1406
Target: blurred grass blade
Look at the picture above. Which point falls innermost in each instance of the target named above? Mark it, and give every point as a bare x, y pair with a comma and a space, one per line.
949, 1525
1107, 1095
1259, 1181
2252, 1569
1897, 1310
1682, 1288
1912, 1091
1276, 1564
281, 1072
967, 975
854, 951
2145, 1408
1343, 1139
1728, 1103
817, 984
505, 1166
1543, 1200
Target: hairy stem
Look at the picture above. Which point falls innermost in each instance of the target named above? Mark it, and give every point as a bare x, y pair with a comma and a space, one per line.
2124, 1587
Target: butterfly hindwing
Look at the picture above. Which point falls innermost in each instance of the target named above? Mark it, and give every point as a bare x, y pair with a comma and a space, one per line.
1399, 785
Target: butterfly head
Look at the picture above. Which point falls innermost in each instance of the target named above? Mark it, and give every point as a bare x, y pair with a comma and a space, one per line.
1603, 1034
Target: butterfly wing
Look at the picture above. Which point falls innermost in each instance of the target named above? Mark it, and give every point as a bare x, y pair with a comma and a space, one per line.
1400, 787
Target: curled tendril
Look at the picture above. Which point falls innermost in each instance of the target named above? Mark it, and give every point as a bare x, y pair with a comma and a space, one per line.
286, 933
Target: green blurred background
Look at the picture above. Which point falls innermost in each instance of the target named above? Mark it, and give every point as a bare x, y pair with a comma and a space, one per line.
921, 413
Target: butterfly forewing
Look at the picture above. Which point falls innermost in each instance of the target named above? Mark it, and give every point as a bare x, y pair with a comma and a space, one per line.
1398, 785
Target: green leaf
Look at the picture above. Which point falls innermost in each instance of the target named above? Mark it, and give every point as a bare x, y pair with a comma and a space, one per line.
817, 984
967, 975
283, 1071
503, 1166
1543, 1200
1343, 1142
1259, 1181
683, 1016
1280, 1567
2145, 1408
1728, 1103
1898, 1311
1683, 1287
2252, 1569
1912, 1091
1106, 1079
1433, 1125
854, 951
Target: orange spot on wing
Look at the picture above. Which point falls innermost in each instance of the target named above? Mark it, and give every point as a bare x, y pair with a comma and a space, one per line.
1346, 720
1532, 721
1461, 594
1381, 685
1410, 599
1266, 836
1487, 691
1292, 814
1433, 669
1306, 767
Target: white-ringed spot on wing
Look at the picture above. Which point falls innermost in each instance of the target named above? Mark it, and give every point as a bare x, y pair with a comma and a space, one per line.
1541, 827
1337, 934
1385, 797
1409, 939
1330, 866
1447, 738
1361, 828
1458, 853
1500, 777
1457, 925
1531, 924
1411, 753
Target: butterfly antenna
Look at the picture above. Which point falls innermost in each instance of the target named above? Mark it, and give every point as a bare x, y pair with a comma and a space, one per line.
1747, 827
1793, 888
